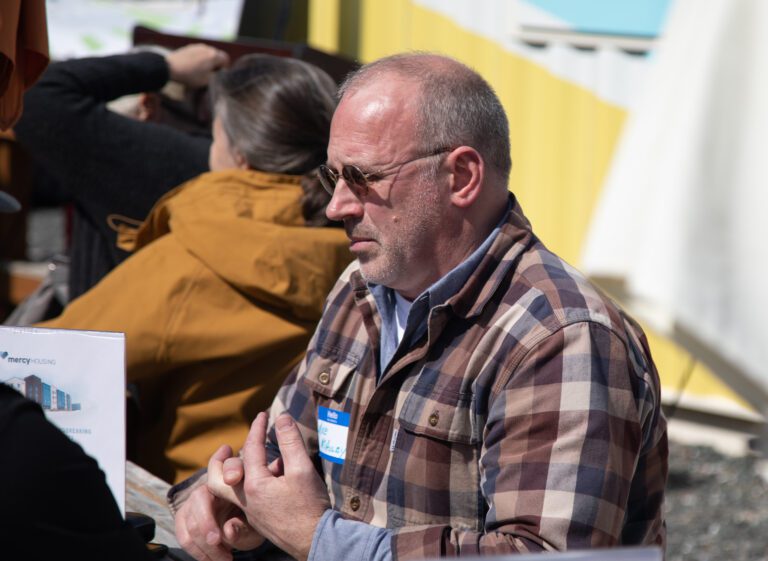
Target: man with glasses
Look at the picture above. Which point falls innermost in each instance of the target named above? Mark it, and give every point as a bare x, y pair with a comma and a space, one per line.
466, 392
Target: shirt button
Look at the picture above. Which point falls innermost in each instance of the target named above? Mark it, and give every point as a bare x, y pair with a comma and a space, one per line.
324, 378
434, 418
354, 503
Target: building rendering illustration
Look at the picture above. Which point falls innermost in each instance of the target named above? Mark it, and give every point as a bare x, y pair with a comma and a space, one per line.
47, 395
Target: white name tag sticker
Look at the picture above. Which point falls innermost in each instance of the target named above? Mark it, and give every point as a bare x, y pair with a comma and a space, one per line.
332, 429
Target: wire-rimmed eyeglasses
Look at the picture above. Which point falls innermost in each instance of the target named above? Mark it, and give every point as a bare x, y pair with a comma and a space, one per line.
358, 180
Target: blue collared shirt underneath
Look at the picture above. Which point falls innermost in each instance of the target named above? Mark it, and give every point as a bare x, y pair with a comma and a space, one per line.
359, 540
435, 295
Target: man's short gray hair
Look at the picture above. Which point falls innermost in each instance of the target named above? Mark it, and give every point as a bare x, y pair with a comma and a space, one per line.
457, 106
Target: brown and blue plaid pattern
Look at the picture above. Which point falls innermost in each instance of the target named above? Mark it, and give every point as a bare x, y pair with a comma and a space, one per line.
526, 419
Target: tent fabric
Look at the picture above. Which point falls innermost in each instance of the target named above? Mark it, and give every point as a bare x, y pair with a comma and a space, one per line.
681, 222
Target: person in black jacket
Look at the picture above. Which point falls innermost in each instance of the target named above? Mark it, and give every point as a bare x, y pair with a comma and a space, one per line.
105, 162
55, 499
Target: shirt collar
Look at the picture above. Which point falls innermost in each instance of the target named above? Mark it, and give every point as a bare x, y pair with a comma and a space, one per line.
437, 294
449, 284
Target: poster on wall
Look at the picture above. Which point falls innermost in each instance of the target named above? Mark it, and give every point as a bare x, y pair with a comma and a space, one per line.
80, 28
78, 378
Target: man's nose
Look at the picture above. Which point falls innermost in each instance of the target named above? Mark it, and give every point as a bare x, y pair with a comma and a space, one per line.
344, 203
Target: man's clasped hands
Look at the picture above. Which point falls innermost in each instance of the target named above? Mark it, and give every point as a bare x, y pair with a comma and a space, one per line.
247, 500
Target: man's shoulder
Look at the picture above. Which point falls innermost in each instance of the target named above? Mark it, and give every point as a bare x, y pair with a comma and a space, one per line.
547, 300
555, 294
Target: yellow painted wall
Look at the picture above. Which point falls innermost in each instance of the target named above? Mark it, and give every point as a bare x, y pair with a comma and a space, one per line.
324, 24
562, 135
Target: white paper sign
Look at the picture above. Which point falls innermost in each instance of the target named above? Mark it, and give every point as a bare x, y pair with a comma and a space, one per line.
78, 378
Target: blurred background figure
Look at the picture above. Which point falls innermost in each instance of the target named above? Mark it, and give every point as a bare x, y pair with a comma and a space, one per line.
227, 280
56, 502
23, 57
107, 162
23, 54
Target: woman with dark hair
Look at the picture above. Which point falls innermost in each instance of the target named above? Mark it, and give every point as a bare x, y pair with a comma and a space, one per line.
227, 280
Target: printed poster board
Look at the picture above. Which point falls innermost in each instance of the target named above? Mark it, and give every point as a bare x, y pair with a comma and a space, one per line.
78, 378
80, 28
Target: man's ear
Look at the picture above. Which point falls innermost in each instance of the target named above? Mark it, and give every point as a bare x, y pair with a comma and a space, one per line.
467, 171
149, 107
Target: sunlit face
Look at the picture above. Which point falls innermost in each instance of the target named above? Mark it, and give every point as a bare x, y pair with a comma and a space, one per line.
222, 154
394, 227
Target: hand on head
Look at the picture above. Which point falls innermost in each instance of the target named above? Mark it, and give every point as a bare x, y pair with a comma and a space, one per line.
247, 497
192, 65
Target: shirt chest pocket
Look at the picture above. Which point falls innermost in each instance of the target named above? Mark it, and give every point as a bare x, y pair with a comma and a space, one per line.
329, 379
434, 469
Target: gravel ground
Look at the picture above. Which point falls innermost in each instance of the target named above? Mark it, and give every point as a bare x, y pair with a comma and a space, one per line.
717, 507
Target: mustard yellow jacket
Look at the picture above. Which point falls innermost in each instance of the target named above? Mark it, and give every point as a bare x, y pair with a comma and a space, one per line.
217, 307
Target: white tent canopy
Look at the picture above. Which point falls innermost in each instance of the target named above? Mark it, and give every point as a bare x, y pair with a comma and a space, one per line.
681, 229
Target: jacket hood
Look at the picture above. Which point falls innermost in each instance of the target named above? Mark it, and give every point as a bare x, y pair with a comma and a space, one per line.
247, 227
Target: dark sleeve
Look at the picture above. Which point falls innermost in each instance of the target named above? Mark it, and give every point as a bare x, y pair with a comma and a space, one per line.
56, 503
102, 79
105, 162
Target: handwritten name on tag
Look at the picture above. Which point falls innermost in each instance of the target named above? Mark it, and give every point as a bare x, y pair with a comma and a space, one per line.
332, 429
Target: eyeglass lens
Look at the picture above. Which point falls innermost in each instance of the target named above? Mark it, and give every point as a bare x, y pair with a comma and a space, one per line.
352, 175
356, 179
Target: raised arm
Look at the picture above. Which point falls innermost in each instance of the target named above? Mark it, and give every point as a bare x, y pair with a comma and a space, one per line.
106, 162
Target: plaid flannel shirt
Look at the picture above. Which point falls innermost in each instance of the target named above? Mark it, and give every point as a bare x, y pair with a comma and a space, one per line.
527, 418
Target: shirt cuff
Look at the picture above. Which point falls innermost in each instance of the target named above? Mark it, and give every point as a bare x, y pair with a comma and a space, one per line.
358, 540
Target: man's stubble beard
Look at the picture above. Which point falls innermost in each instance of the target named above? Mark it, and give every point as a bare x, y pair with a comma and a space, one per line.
397, 257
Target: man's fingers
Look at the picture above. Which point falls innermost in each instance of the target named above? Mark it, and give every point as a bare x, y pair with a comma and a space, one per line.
217, 482
234, 528
292, 450
254, 451
233, 471
219, 489
224, 452
216, 463
197, 532
240, 535
198, 553
276, 467
210, 553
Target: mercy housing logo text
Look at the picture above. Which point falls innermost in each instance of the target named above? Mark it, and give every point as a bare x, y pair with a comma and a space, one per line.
27, 360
